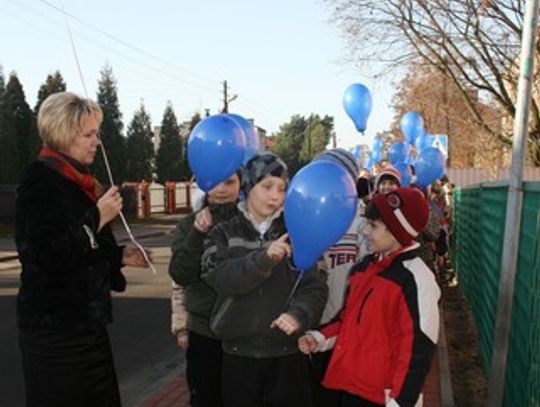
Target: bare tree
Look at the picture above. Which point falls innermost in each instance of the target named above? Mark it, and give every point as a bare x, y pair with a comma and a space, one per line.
474, 44
426, 90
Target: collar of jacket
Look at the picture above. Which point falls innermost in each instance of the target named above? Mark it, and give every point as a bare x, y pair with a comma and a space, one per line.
265, 225
374, 261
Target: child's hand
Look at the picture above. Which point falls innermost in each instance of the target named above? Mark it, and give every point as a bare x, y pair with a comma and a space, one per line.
307, 344
279, 249
286, 323
203, 221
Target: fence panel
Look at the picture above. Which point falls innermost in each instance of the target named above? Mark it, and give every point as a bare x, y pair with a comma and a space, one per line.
479, 217
157, 198
463, 177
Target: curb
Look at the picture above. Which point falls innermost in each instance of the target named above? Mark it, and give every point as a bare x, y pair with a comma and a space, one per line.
447, 395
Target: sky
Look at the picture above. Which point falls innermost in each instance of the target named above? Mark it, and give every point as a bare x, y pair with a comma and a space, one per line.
280, 58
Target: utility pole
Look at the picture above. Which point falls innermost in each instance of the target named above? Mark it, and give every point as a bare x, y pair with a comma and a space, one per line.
497, 376
226, 98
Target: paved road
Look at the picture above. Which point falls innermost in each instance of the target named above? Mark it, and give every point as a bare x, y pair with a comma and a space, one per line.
145, 353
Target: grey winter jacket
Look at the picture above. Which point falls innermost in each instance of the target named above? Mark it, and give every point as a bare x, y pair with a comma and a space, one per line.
185, 268
252, 291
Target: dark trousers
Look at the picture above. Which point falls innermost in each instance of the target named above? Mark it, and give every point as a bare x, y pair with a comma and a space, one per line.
323, 397
350, 400
203, 370
68, 367
266, 382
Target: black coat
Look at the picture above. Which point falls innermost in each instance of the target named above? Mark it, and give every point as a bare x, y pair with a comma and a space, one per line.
68, 268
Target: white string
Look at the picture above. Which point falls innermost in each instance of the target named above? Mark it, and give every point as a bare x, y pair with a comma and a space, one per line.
103, 152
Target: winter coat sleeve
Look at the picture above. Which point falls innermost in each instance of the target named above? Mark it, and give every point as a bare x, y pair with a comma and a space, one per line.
55, 241
187, 249
228, 275
179, 314
418, 328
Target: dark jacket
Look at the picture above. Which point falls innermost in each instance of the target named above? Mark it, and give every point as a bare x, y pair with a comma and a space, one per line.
68, 268
252, 291
185, 268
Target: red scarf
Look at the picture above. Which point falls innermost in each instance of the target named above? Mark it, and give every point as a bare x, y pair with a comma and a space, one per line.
58, 162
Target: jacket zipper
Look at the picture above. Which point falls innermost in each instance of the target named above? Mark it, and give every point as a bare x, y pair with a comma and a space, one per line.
363, 304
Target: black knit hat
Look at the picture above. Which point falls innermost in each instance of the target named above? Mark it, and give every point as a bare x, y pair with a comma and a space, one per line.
260, 166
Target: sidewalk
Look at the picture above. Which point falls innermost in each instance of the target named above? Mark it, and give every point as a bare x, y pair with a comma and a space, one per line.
437, 388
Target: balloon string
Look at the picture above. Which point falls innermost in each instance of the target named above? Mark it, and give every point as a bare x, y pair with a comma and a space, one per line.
299, 274
103, 152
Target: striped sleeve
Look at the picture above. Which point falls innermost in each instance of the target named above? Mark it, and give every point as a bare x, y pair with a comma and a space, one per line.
418, 322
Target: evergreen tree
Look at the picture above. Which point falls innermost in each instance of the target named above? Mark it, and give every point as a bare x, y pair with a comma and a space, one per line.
2, 81
300, 140
185, 169
20, 120
140, 149
110, 130
8, 150
53, 84
170, 152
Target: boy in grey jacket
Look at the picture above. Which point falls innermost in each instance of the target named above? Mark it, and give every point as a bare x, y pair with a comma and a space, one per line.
258, 321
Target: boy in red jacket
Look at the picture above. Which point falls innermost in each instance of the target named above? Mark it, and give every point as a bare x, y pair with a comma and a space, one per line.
385, 335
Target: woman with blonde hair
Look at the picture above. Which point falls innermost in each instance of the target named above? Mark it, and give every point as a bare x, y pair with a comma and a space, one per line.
70, 262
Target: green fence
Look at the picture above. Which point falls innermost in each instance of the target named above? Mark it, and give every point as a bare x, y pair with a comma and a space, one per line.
479, 216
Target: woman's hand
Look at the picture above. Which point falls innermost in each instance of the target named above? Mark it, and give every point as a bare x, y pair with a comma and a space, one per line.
132, 256
287, 323
307, 344
203, 221
279, 249
109, 206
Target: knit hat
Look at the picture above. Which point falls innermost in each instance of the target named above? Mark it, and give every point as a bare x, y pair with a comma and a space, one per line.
342, 158
388, 173
405, 213
260, 166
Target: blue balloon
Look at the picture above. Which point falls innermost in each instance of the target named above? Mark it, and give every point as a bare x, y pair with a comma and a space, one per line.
406, 173
357, 104
320, 206
422, 142
376, 156
358, 152
252, 138
398, 152
412, 125
377, 144
216, 149
429, 166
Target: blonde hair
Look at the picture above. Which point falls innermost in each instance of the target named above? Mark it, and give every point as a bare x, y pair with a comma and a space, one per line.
59, 118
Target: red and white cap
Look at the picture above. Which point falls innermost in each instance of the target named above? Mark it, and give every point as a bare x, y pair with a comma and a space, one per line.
405, 212
388, 172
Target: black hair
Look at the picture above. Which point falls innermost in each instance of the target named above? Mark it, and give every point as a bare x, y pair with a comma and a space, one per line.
372, 212
388, 177
363, 187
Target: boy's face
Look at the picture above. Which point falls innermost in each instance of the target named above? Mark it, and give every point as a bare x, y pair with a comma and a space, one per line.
225, 192
380, 238
266, 197
387, 185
